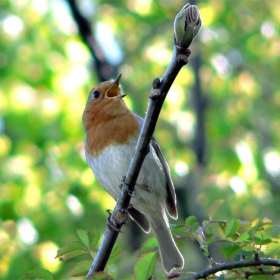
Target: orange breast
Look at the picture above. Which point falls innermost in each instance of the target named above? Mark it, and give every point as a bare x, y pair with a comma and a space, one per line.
111, 131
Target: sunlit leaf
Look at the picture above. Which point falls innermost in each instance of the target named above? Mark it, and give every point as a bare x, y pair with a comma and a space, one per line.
90, 238
243, 237
145, 266
272, 249
72, 254
94, 237
81, 268
149, 245
83, 235
38, 273
255, 223
75, 248
262, 238
215, 206
231, 227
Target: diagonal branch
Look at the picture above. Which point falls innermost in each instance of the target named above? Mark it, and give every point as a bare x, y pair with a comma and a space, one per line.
157, 96
184, 34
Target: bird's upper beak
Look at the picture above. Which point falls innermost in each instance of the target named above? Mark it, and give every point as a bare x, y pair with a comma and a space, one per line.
114, 90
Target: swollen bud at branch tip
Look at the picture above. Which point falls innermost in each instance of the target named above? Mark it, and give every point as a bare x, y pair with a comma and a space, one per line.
187, 24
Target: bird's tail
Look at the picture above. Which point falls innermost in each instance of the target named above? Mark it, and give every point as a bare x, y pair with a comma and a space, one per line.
170, 255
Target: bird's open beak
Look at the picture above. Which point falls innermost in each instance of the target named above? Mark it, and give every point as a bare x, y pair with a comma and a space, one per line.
114, 90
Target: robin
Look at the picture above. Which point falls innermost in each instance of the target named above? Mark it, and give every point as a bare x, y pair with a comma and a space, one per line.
112, 131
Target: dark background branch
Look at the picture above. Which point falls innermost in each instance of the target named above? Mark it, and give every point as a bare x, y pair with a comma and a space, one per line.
199, 104
103, 69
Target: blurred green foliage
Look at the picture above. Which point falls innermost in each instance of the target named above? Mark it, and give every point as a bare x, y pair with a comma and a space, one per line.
47, 190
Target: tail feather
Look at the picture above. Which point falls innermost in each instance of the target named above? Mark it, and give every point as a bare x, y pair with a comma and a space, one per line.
170, 255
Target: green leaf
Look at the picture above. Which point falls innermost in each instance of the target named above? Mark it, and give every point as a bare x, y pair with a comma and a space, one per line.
272, 249
94, 237
70, 249
195, 227
149, 245
262, 238
212, 240
243, 255
229, 249
83, 235
114, 254
231, 227
213, 209
248, 247
255, 223
72, 255
90, 238
243, 237
190, 221
37, 274
179, 230
145, 266
81, 269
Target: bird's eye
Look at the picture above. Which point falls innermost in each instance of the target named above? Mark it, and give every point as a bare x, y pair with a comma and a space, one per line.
96, 94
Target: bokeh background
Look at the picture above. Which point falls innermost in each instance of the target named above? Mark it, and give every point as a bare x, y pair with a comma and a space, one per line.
219, 128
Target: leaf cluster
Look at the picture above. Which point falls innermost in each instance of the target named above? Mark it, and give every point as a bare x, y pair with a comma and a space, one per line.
238, 241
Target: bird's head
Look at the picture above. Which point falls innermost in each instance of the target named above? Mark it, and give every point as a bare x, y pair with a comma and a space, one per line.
104, 102
106, 91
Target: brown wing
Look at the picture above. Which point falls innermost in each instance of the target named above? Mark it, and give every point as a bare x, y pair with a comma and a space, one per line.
171, 196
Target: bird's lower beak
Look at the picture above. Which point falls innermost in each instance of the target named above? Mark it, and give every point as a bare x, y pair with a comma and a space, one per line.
114, 90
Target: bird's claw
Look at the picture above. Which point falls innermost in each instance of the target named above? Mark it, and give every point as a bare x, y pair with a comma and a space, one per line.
116, 219
123, 186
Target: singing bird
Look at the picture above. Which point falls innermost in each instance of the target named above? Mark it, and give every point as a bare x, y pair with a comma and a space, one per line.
112, 130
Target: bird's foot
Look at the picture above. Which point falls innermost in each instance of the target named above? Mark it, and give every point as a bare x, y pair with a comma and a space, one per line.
123, 186
116, 219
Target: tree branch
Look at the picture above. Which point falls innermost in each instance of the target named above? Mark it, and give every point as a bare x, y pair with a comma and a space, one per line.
184, 34
157, 96
239, 264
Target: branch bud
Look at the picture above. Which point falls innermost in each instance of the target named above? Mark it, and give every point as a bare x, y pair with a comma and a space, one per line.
187, 24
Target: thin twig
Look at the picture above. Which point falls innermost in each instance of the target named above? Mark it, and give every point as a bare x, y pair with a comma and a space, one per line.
239, 264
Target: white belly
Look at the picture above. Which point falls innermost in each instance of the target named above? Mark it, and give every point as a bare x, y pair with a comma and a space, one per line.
110, 167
